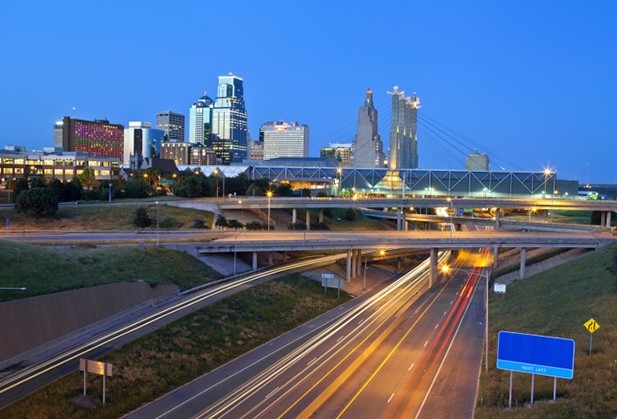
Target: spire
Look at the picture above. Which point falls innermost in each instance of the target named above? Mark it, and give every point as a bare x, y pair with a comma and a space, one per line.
368, 101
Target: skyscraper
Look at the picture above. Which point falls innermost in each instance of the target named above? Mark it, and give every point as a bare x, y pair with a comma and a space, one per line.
281, 139
98, 137
172, 125
141, 141
200, 121
229, 120
403, 132
367, 148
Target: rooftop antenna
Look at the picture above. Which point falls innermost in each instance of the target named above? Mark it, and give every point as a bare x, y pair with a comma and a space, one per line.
74, 109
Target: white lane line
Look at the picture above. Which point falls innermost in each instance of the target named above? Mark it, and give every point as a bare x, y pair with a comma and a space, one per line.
272, 392
425, 343
310, 363
445, 312
436, 326
390, 399
411, 366
339, 339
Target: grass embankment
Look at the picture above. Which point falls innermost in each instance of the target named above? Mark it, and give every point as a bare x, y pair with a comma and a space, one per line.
106, 217
557, 303
44, 270
180, 352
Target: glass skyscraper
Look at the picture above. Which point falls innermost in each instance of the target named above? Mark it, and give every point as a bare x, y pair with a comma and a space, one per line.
200, 121
403, 132
229, 121
172, 124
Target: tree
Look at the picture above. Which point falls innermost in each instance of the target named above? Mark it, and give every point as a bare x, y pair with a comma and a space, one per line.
142, 220
39, 201
88, 178
221, 221
235, 224
137, 188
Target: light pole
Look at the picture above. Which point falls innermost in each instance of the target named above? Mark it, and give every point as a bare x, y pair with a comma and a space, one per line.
216, 173
451, 212
269, 195
339, 171
547, 173
530, 211
157, 223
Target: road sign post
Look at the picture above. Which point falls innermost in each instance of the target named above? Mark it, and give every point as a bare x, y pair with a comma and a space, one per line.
535, 354
95, 367
591, 325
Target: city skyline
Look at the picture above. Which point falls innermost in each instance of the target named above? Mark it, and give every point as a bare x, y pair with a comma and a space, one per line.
533, 85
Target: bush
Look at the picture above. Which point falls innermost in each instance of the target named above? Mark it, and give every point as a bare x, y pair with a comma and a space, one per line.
170, 222
39, 201
199, 224
142, 220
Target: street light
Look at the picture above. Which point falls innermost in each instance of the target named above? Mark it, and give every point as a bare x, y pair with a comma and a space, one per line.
157, 223
547, 173
339, 171
451, 222
216, 173
534, 209
269, 195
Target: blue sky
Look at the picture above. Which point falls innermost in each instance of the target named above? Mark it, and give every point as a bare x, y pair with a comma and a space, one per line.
531, 83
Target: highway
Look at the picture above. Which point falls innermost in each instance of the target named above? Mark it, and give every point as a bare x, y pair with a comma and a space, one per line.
65, 359
379, 357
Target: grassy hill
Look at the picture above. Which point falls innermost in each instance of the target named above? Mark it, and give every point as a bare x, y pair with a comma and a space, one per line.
44, 270
557, 303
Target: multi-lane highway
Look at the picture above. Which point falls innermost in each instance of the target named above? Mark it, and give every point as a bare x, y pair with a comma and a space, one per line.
374, 357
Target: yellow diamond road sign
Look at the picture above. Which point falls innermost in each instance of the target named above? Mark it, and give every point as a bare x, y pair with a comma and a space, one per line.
591, 325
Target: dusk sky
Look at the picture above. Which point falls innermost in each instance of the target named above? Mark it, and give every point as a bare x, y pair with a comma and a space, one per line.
532, 83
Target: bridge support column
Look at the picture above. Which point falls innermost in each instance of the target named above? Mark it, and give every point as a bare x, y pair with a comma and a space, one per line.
405, 224
521, 272
495, 256
497, 216
308, 219
348, 269
254, 261
270, 259
359, 262
608, 218
321, 216
602, 218
433, 277
398, 263
294, 216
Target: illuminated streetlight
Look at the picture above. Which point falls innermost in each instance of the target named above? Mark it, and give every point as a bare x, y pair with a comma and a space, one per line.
534, 209
547, 173
269, 195
157, 223
451, 212
339, 171
216, 173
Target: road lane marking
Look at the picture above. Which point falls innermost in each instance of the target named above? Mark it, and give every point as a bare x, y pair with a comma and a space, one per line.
425, 343
272, 392
339, 339
390, 399
310, 363
436, 326
411, 366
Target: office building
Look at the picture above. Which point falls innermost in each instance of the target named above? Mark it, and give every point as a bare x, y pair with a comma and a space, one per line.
99, 138
141, 141
177, 151
202, 156
281, 139
200, 121
172, 125
477, 161
340, 152
367, 147
256, 150
229, 121
403, 132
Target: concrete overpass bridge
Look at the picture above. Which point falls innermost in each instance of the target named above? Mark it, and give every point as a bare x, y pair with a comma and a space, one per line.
355, 243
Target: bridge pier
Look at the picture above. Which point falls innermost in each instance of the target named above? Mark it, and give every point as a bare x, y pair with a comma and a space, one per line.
497, 215
433, 262
354, 260
359, 262
521, 272
320, 218
495, 256
608, 218
270, 259
308, 219
294, 216
348, 268
254, 261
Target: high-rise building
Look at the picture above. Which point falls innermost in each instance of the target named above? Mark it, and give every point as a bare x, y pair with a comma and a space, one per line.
339, 152
141, 141
403, 132
256, 150
200, 121
172, 125
281, 139
178, 151
367, 147
229, 121
99, 138
477, 161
